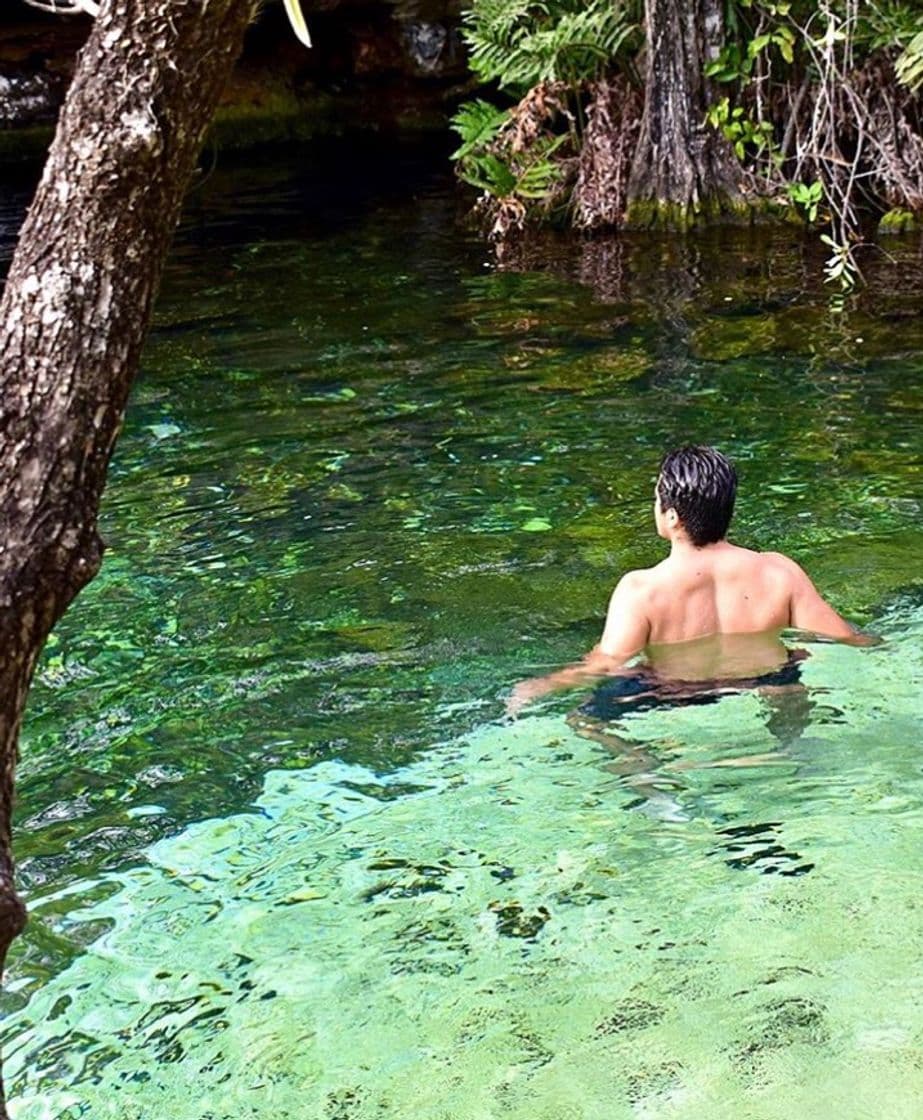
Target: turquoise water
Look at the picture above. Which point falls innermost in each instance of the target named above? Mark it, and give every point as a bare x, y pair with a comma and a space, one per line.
282, 855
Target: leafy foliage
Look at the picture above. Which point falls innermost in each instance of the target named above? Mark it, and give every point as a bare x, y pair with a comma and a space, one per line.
737, 59
549, 54
520, 43
477, 123
516, 157
909, 65
818, 100
808, 196
739, 127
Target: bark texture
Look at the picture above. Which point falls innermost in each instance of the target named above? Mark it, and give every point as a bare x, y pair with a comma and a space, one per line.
683, 171
75, 311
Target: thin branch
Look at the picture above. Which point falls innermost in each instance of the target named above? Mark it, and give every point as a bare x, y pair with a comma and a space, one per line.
65, 7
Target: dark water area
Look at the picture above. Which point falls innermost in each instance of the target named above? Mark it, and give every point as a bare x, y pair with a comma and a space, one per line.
368, 480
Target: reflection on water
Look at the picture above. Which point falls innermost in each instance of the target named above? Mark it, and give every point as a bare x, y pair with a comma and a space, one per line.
278, 860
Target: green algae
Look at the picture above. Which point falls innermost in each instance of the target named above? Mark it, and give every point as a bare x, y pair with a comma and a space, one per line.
273, 114
899, 221
660, 214
318, 588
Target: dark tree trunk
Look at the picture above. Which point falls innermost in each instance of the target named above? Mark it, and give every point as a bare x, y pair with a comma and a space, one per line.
75, 312
684, 171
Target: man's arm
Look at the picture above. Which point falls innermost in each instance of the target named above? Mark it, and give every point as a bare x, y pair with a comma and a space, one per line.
810, 611
624, 635
627, 627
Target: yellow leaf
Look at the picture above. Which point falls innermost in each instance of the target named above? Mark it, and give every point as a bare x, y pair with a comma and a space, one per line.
296, 19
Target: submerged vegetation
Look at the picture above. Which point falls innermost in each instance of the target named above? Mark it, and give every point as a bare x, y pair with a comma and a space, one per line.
341, 525
631, 114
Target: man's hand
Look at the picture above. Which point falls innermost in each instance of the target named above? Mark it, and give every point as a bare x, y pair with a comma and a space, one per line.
593, 668
525, 692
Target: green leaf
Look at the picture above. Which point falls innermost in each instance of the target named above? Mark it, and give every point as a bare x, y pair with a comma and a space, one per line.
760, 43
477, 123
909, 66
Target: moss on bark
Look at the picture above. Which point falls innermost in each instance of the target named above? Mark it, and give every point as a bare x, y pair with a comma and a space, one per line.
653, 214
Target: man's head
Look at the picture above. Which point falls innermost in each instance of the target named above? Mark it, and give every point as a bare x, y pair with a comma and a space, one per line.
695, 491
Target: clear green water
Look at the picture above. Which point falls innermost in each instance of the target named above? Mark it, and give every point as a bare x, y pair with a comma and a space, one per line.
281, 857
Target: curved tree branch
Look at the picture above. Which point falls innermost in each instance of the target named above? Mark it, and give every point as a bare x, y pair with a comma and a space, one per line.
65, 7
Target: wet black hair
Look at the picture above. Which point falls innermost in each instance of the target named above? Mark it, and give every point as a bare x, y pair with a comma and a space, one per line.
701, 485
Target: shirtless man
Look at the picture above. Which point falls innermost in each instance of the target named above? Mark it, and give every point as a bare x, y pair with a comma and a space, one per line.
711, 611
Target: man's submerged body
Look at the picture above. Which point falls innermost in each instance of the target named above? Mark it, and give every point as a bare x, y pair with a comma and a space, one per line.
711, 611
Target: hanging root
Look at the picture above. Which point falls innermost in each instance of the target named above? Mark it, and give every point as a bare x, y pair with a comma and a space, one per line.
848, 124
893, 123
613, 123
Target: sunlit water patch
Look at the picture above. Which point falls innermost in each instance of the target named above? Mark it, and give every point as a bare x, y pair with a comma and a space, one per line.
517, 926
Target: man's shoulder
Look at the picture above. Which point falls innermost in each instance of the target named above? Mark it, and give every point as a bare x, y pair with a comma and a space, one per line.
769, 561
782, 563
779, 574
637, 581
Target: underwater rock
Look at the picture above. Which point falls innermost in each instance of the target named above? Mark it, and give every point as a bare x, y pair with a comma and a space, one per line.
375, 65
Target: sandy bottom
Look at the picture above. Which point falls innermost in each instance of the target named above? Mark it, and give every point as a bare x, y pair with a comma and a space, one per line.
518, 925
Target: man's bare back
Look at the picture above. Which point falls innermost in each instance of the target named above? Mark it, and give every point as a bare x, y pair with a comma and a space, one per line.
715, 589
710, 610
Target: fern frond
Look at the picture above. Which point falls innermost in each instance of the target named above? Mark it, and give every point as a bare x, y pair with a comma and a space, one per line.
519, 44
477, 123
909, 66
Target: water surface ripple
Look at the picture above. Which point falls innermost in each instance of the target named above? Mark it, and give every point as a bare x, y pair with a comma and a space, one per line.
281, 860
